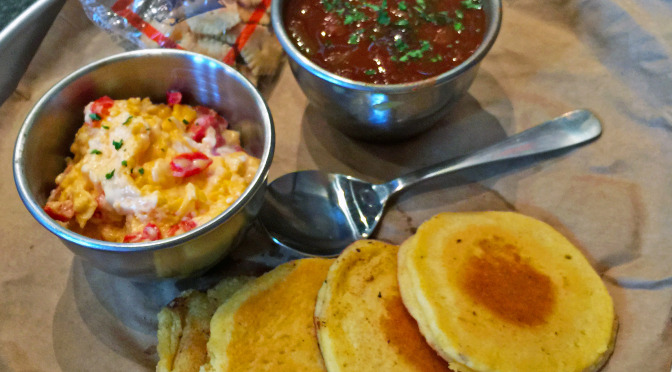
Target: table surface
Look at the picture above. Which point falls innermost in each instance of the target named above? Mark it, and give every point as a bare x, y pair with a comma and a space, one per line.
612, 197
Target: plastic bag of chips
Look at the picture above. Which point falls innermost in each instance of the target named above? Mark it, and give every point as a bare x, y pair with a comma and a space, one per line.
237, 32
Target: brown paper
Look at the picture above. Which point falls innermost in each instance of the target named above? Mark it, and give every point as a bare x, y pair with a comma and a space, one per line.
612, 197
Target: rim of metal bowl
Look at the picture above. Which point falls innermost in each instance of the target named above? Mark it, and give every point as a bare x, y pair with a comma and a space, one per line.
38, 213
495, 21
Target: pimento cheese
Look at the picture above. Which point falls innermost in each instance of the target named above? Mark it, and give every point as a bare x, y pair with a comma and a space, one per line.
142, 171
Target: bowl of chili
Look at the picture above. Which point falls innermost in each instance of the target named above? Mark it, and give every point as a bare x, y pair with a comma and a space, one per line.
385, 69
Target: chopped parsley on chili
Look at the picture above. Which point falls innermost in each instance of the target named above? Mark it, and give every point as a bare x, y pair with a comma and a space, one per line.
386, 41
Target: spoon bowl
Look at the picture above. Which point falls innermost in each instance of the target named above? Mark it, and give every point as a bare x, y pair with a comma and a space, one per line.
319, 214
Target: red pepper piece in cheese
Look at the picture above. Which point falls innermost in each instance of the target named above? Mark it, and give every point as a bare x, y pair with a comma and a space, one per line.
186, 224
189, 164
173, 97
102, 105
60, 210
99, 109
207, 118
151, 232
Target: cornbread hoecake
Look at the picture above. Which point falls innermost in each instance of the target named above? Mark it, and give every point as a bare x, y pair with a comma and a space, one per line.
184, 326
268, 324
499, 291
142, 171
362, 324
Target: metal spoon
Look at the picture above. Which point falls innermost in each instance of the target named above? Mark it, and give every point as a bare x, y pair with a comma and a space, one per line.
319, 214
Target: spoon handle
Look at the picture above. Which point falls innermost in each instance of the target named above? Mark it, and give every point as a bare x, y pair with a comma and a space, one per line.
569, 129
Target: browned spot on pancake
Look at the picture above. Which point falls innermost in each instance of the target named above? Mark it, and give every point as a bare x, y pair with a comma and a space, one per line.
275, 327
402, 333
508, 286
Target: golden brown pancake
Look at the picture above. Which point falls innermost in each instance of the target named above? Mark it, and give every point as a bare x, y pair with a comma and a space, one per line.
184, 326
499, 291
268, 324
362, 325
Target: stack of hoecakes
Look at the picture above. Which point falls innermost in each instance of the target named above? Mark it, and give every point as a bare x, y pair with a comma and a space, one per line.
499, 291
267, 325
362, 324
476, 292
184, 326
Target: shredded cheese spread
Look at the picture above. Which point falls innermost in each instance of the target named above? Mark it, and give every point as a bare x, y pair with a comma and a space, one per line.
142, 171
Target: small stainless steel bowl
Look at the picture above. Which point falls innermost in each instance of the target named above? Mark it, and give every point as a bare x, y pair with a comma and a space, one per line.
49, 129
383, 112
